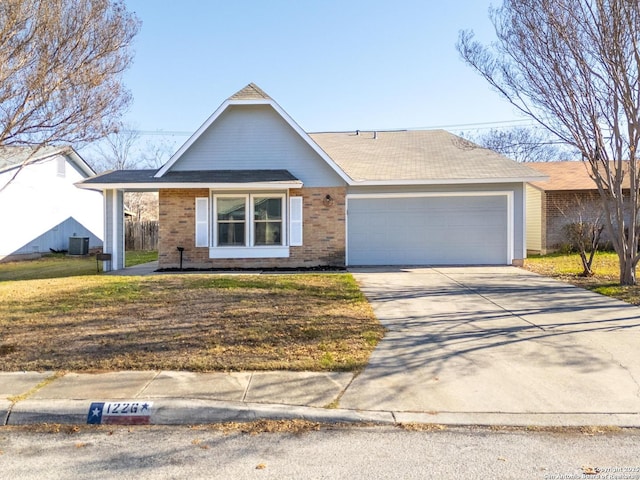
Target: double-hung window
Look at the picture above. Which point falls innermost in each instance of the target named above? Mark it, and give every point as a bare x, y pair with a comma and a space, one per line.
249, 225
231, 217
267, 220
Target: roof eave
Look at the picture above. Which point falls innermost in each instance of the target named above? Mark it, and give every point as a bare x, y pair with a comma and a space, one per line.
80, 162
191, 185
65, 151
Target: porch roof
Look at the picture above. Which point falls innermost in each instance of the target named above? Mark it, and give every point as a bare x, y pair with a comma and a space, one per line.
219, 179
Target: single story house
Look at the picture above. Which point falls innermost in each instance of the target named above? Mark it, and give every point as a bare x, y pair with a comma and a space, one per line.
568, 195
251, 189
40, 207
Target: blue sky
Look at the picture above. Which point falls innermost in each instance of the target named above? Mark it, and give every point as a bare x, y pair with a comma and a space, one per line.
331, 64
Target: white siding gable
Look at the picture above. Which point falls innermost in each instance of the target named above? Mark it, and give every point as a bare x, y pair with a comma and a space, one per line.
256, 137
39, 199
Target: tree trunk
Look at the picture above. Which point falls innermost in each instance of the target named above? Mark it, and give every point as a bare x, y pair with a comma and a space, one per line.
586, 264
627, 268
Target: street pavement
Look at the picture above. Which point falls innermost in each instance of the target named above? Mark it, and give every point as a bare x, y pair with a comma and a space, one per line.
464, 346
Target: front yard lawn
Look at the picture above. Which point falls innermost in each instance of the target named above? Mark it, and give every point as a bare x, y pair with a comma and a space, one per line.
567, 267
56, 265
196, 322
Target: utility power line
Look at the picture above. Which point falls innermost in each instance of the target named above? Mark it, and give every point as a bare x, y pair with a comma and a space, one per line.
456, 126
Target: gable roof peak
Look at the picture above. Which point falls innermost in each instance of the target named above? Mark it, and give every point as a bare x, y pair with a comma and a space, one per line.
250, 92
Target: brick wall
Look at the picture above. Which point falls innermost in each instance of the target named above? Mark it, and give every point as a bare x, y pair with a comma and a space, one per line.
323, 232
564, 207
176, 212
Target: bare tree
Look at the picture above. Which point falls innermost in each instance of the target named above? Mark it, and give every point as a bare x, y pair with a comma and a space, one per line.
120, 150
60, 69
142, 205
157, 152
123, 150
573, 67
583, 228
116, 150
521, 144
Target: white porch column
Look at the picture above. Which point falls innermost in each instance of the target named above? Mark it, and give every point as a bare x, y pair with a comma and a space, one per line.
114, 229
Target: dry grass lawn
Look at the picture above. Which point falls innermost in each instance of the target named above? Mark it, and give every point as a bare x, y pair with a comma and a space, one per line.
186, 322
567, 267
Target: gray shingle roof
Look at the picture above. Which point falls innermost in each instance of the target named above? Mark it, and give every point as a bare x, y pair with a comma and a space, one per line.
10, 156
250, 92
414, 155
206, 176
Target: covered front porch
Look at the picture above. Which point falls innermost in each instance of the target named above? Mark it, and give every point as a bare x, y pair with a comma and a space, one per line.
191, 220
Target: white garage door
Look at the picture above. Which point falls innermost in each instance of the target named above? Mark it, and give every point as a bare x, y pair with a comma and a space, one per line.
449, 230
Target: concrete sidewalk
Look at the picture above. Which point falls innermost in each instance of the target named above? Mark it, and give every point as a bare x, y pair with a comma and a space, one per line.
187, 398
140, 270
179, 397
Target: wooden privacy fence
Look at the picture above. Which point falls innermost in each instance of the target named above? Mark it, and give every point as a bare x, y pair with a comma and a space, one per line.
141, 235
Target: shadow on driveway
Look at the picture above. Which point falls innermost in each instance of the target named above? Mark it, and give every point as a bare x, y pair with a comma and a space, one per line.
496, 339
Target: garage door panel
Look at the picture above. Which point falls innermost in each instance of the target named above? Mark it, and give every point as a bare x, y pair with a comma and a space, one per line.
427, 230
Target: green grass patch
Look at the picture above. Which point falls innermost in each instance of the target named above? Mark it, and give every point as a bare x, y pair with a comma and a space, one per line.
322, 286
605, 264
568, 267
58, 265
133, 258
625, 293
49, 266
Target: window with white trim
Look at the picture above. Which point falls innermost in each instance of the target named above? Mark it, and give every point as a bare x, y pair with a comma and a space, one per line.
248, 225
267, 220
249, 220
231, 216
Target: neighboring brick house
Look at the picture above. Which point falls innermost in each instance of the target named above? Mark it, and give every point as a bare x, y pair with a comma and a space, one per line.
568, 196
251, 189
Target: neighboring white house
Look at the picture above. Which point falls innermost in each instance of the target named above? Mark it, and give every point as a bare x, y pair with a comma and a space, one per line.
40, 207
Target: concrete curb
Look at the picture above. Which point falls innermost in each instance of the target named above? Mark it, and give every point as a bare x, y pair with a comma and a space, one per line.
622, 420
189, 412
198, 411
5, 407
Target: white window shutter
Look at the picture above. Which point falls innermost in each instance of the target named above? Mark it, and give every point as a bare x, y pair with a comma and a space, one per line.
202, 222
295, 221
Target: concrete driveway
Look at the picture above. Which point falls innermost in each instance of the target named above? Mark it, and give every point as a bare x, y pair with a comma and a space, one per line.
496, 340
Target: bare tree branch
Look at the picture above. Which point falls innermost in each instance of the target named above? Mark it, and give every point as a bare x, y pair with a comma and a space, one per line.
115, 151
573, 67
523, 144
61, 63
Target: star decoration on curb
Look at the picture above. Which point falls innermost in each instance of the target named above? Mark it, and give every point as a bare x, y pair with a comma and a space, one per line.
95, 412
145, 406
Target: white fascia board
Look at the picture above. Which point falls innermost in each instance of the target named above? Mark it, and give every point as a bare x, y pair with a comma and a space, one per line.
66, 151
470, 193
446, 181
80, 162
212, 186
316, 148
